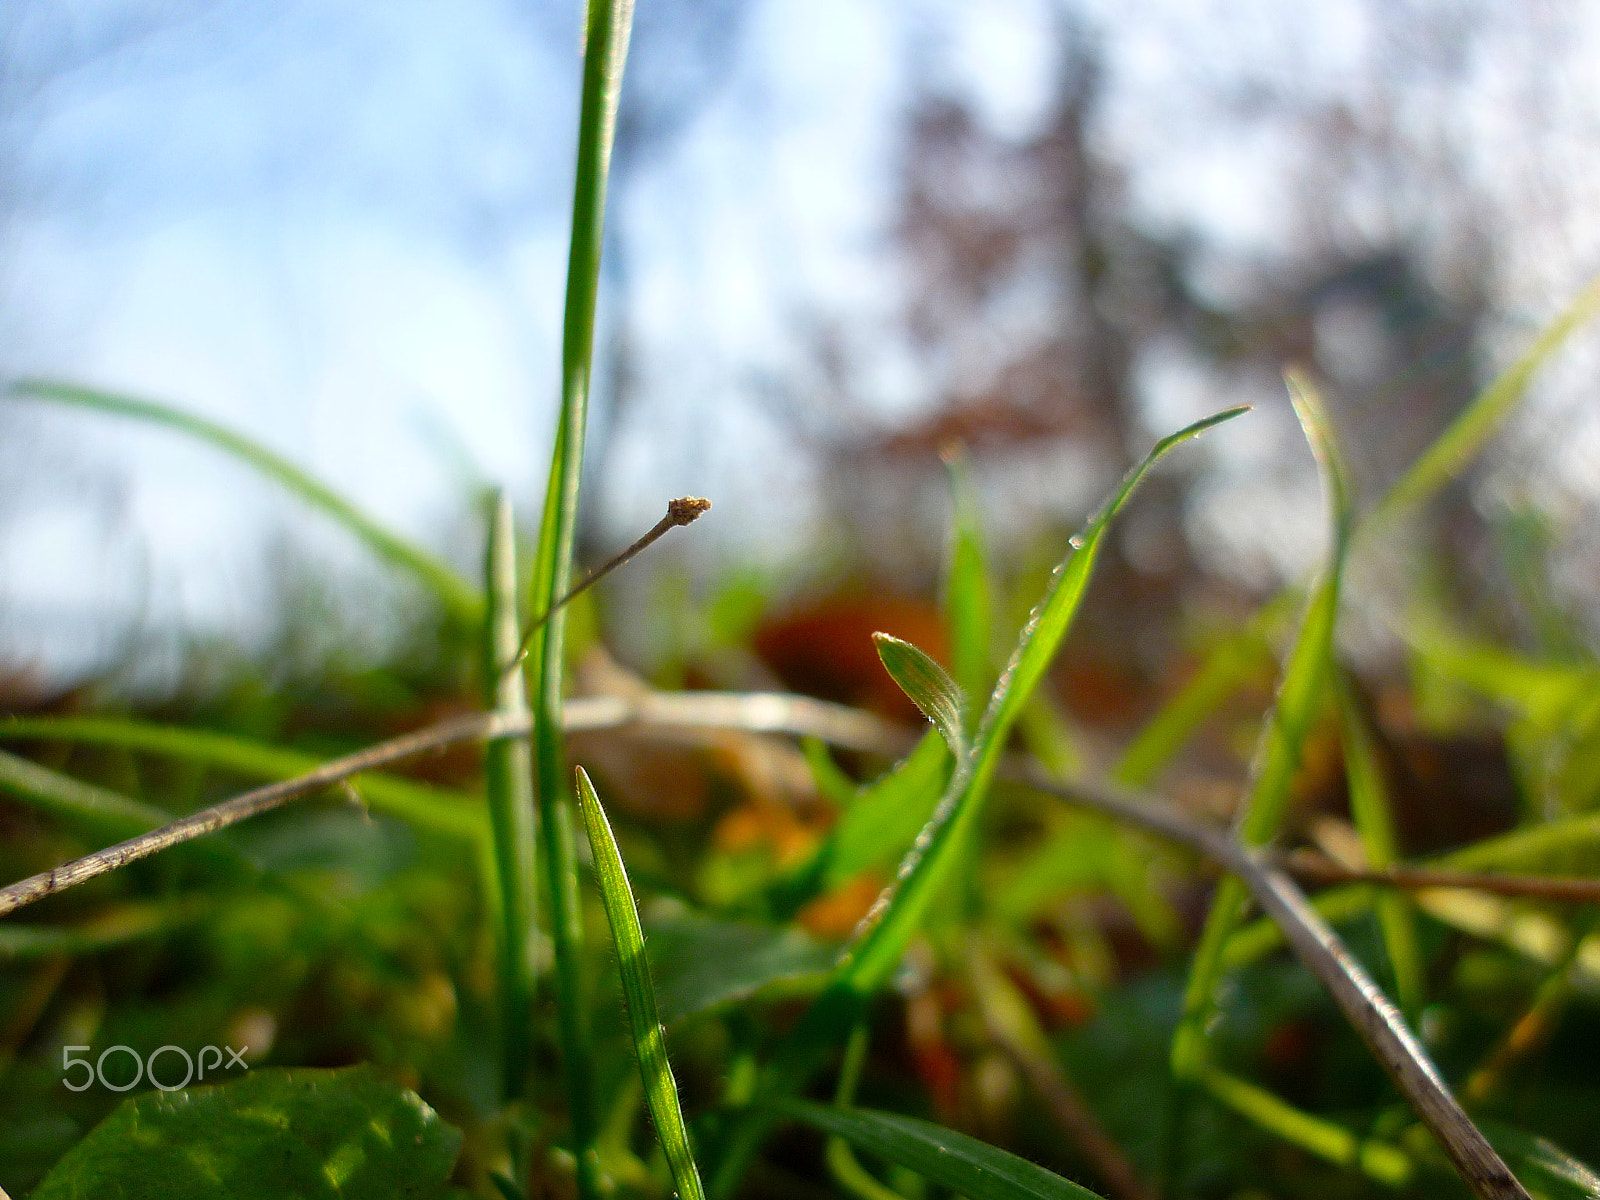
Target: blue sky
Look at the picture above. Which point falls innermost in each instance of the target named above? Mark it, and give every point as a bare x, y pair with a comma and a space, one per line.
341, 227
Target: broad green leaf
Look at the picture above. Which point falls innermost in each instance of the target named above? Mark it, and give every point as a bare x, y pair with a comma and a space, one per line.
963, 1164
1298, 703
456, 595
440, 809
700, 964
931, 689
508, 784
649, 1037
607, 27
340, 1135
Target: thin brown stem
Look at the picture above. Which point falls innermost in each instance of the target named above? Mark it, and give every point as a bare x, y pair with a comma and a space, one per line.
685, 510
1317, 868
1364, 1005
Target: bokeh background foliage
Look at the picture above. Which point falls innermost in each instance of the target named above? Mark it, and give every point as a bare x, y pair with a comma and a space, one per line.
1396, 665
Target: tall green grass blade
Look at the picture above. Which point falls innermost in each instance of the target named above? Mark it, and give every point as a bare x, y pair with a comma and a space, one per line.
931, 689
968, 607
937, 848
965, 1165
96, 810
649, 1038
457, 596
508, 781
607, 24
940, 845
1454, 449
455, 814
1369, 805
1299, 699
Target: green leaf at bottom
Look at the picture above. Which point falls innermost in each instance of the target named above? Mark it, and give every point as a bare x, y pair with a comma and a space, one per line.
965, 1165
316, 1135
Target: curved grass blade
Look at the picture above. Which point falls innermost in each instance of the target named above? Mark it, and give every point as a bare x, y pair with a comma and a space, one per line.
1456, 447
607, 26
447, 812
508, 782
1299, 696
115, 926
458, 597
649, 1037
930, 688
1379, 1160
896, 916
94, 809
898, 913
965, 1165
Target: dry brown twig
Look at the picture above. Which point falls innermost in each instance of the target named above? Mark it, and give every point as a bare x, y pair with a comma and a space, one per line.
1372, 1014
1318, 868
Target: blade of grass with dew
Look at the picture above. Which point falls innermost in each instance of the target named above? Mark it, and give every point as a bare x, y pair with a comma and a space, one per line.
649, 1037
1458, 445
897, 914
963, 1164
1299, 697
1374, 821
455, 814
455, 594
607, 25
508, 782
924, 869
